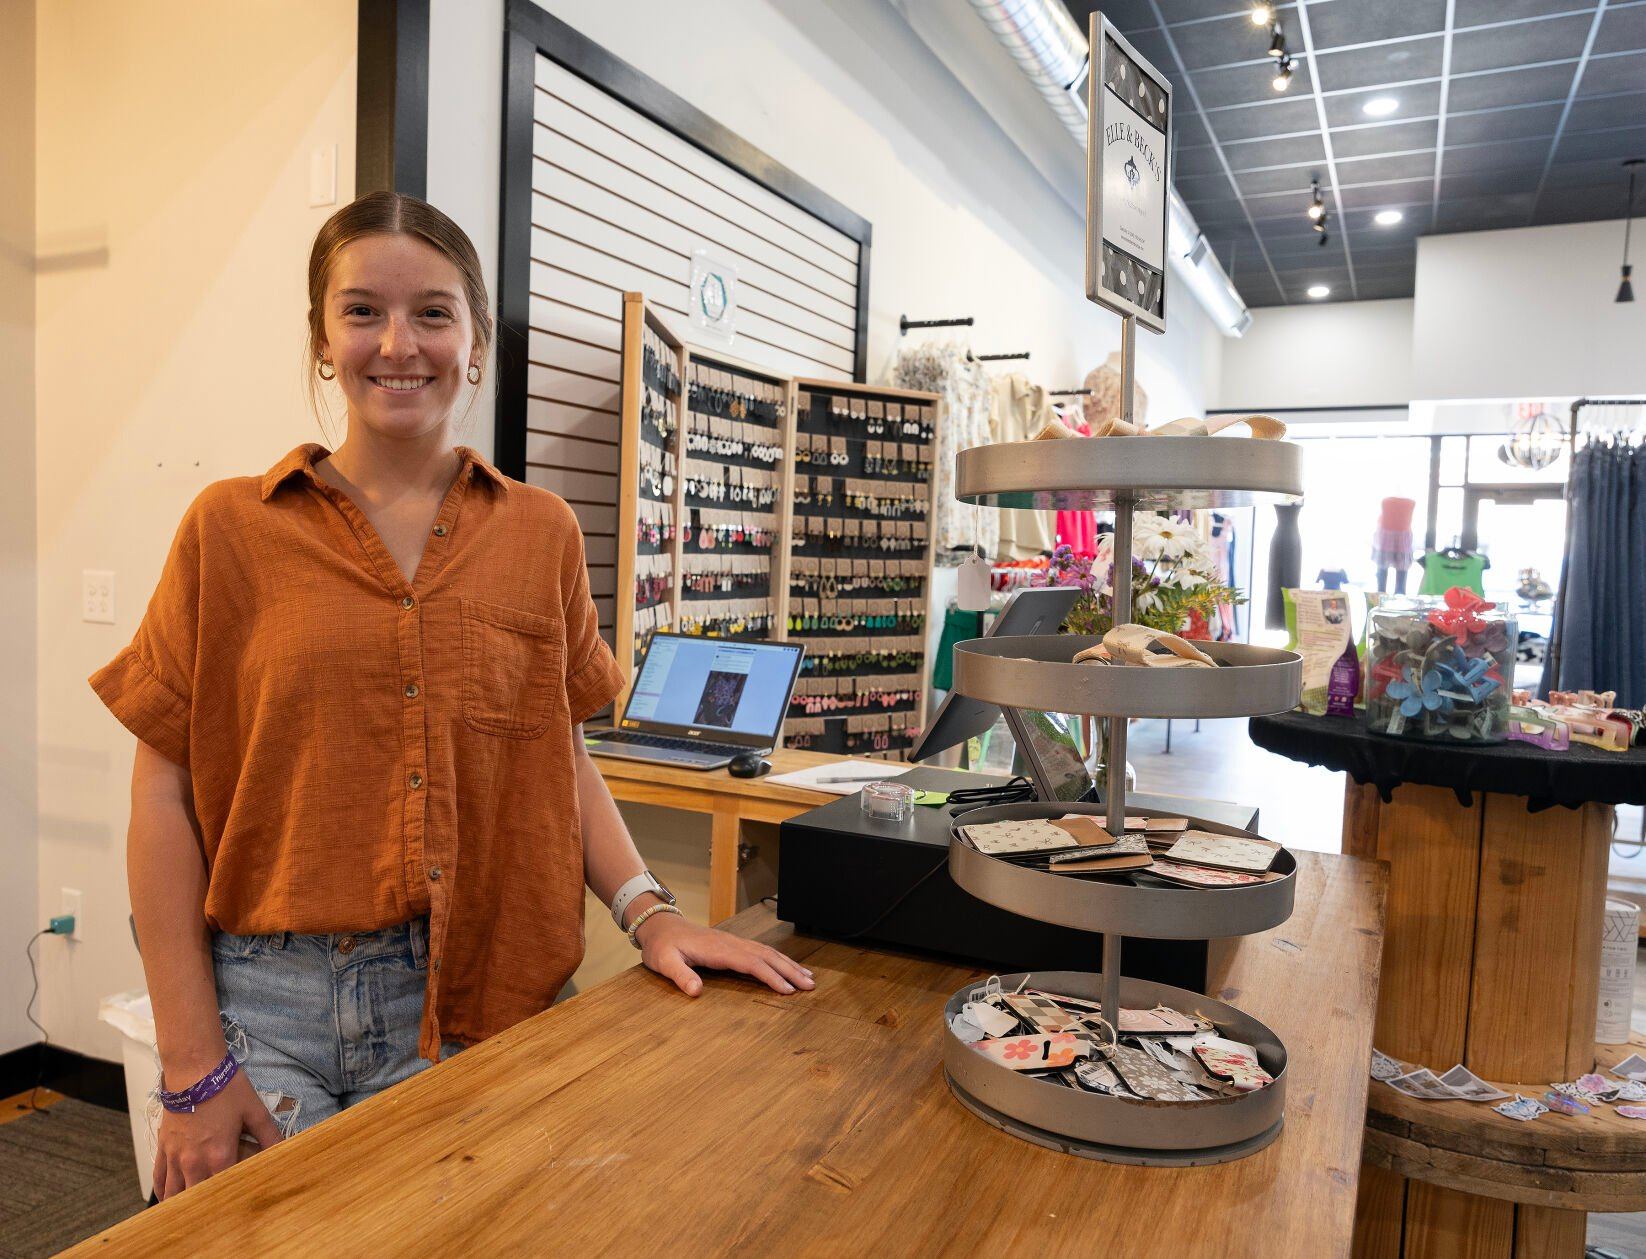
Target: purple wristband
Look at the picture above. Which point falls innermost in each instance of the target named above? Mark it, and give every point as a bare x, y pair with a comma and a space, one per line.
204, 1089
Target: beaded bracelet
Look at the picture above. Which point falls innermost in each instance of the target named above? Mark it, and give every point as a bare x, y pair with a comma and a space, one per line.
662, 908
202, 1090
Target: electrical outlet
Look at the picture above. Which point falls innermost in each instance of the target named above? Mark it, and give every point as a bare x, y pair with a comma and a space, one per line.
97, 596
71, 905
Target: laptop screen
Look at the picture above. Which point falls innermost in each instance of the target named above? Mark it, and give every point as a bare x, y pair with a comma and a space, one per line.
713, 684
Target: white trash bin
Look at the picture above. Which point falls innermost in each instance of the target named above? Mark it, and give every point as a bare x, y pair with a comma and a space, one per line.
132, 1016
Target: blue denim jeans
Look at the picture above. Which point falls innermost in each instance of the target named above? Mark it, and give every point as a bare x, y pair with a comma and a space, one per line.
322, 1022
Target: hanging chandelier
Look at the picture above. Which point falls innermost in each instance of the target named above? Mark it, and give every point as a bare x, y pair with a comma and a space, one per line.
1536, 443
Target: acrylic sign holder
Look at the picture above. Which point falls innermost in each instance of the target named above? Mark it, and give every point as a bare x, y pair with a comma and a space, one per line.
1036, 672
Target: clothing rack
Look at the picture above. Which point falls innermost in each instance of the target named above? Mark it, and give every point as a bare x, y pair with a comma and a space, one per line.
998, 358
905, 323
1068, 393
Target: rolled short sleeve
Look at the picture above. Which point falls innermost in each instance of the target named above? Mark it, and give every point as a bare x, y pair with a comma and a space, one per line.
149, 685
593, 677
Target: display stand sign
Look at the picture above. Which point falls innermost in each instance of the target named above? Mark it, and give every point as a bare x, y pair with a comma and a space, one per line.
1128, 148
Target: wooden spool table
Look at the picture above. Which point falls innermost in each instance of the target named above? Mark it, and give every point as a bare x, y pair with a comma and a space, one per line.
1491, 958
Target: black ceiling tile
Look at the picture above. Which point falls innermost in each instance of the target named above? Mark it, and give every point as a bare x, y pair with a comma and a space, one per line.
1386, 63
1560, 204
1461, 185
1503, 155
1267, 209
1204, 188
1221, 213
1128, 15
1476, 12
1377, 196
1220, 43
1373, 170
1281, 116
1337, 24
1617, 145
1606, 173
1188, 163
1393, 138
1607, 111
1502, 124
1154, 48
1510, 87
1387, 289
1385, 260
1260, 291
1499, 47
1254, 154
1416, 100
1479, 214
1291, 179
1175, 11
1621, 29
1613, 74
1189, 126
1294, 227
1240, 85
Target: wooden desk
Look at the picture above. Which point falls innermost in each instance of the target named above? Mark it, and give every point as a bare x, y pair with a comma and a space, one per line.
729, 801
633, 1120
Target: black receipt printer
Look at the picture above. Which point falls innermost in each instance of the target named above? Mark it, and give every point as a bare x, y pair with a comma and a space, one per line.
847, 876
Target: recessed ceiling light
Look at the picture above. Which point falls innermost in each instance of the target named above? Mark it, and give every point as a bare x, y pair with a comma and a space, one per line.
1319, 291
1387, 218
1380, 107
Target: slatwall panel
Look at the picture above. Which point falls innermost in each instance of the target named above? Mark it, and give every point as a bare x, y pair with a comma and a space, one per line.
619, 204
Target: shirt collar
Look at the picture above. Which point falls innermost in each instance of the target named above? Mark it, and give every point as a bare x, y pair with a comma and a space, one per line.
304, 457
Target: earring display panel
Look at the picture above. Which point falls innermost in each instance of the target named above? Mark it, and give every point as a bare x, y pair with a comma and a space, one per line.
860, 565
732, 502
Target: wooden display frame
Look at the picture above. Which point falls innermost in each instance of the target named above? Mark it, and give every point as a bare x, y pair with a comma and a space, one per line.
638, 320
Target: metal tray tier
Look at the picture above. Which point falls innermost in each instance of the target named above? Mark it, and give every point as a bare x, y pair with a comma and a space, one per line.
1151, 472
1132, 904
1037, 671
1118, 1129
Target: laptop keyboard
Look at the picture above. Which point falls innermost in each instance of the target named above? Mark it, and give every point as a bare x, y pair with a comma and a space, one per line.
672, 742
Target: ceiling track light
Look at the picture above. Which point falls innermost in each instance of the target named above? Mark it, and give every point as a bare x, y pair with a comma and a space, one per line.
1626, 289
1317, 205
1283, 75
1262, 14
1277, 42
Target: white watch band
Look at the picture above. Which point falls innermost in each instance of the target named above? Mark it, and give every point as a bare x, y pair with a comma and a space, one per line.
643, 882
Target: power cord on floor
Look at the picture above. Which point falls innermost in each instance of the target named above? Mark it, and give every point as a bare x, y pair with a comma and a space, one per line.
62, 925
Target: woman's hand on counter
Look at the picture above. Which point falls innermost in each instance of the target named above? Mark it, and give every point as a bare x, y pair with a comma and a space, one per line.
672, 946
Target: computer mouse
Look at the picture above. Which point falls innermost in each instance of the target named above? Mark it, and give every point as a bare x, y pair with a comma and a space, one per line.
748, 765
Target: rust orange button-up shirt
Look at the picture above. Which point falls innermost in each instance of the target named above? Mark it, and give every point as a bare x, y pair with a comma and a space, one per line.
365, 750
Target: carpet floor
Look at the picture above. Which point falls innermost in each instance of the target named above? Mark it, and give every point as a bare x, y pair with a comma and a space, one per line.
68, 1174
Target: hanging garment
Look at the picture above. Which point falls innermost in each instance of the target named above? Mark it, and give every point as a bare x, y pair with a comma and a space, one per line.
1332, 578
1600, 636
1021, 409
1392, 542
1442, 571
958, 626
1104, 402
968, 406
1285, 563
1078, 528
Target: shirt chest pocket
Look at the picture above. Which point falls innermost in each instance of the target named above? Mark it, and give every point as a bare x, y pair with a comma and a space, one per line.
514, 670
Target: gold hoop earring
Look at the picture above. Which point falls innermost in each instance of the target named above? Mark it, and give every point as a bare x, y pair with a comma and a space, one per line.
474, 374
323, 373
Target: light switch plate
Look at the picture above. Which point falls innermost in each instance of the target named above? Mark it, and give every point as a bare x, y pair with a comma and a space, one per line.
323, 176
72, 904
97, 596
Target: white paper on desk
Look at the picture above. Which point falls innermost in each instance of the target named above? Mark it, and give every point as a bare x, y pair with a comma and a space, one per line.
1426, 1084
1631, 1068
867, 771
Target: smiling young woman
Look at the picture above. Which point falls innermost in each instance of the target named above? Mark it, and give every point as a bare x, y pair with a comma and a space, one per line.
362, 814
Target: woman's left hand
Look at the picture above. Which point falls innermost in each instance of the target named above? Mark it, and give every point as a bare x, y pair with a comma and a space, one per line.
671, 946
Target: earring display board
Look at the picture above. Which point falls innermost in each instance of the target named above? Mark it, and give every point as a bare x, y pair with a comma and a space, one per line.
860, 565
788, 508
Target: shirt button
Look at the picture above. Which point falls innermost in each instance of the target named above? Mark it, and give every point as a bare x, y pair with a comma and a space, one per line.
411, 690
408, 603
346, 945
416, 781
435, 873
440, 531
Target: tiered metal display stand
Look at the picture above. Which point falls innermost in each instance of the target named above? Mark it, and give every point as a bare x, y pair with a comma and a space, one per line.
1036, 673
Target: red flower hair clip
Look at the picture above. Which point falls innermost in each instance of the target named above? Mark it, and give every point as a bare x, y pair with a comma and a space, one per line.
1461, 615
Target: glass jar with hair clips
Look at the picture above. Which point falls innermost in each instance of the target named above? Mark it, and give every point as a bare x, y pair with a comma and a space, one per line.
1440, 668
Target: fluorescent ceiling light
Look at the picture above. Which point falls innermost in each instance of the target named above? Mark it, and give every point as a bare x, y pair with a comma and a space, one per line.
1380, 107
1319, 290
1387, 218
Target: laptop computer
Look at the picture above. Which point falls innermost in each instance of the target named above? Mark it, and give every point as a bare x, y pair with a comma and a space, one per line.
698, 702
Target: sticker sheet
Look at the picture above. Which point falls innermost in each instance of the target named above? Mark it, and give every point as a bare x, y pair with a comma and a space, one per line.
1225, 852
1205, 876
1022, 836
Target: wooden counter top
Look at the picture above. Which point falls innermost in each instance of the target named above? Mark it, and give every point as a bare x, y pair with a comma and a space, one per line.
633, 1120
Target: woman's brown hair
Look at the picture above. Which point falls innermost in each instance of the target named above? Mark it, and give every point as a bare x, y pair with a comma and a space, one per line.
392, 213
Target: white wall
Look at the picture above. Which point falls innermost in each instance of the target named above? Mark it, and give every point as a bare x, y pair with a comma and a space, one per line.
1337, 355
851, 99
174, 229
19, 756
1527, 312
